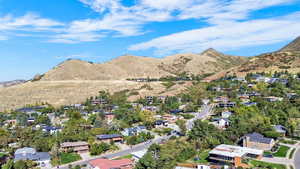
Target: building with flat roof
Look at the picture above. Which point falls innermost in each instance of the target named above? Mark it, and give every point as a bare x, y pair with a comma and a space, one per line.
233, 154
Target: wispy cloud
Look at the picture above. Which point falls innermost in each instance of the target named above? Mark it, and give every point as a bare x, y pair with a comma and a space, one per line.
227, 36
74, 56
117, 20
27, 23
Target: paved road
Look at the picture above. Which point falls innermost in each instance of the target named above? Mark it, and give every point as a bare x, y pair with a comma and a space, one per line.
120, 153
297, 159
205, 112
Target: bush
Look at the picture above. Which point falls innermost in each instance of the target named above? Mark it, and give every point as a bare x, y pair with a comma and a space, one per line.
97, 149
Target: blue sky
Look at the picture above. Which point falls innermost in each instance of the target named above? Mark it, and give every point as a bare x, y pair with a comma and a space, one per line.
36, 35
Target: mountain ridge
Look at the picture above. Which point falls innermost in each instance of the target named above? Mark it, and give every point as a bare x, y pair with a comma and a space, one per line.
130, 66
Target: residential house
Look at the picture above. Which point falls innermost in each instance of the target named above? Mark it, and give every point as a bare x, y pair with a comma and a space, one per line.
161, 123
221, 123
226, 114
280, 129
27, 153
51, 129
170, 118
78, 147
221, 99
150, 108
258, 141
30, 120
12, 122
176, 111
110, 138
101, 163
138, 155
133, 130
233, 154
226, 104
273, 99
249, 103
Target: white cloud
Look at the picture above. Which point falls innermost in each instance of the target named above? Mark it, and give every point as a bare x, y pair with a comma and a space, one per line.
29, 20
120, 20
227, 36
28, 23
75, 56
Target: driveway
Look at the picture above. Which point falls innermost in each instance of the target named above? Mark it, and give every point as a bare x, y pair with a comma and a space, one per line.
297, 159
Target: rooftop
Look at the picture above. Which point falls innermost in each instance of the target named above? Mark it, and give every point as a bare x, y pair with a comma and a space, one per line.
256, 137
73, 144
234, 151
110, 164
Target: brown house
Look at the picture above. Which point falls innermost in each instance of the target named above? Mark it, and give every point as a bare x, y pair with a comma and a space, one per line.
258, 141
78, 147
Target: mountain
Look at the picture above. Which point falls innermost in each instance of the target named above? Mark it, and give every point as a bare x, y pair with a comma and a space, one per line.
11, 83
293, 46
73, 81
128, 66
285, 59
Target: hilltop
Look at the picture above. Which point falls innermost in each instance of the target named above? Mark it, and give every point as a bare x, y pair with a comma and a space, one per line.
128, 66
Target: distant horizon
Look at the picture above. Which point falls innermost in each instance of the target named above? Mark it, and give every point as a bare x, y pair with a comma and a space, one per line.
35, 35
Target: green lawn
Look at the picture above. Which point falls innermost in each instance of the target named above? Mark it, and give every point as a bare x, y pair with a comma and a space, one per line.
66, 158
265, 165
282, 151
288, 142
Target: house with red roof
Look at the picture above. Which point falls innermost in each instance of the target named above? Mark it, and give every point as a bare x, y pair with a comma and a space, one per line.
110, 164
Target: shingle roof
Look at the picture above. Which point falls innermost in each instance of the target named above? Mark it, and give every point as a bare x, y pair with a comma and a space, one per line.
256, 137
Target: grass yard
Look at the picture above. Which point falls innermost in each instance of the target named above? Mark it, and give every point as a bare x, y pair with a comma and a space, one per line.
292, 142
265, 165
66, 158
282, 151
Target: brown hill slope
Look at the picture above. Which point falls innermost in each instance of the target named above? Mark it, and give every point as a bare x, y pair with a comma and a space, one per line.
210, 61
286, 59
293, 46
73, 80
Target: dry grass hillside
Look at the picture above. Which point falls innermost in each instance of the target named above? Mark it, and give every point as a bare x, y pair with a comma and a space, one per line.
69, 92
286, 59
74, 80
128, 66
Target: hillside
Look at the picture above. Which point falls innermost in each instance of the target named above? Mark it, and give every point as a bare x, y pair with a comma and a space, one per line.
74, 80
286, 59
11, 83
123, 67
